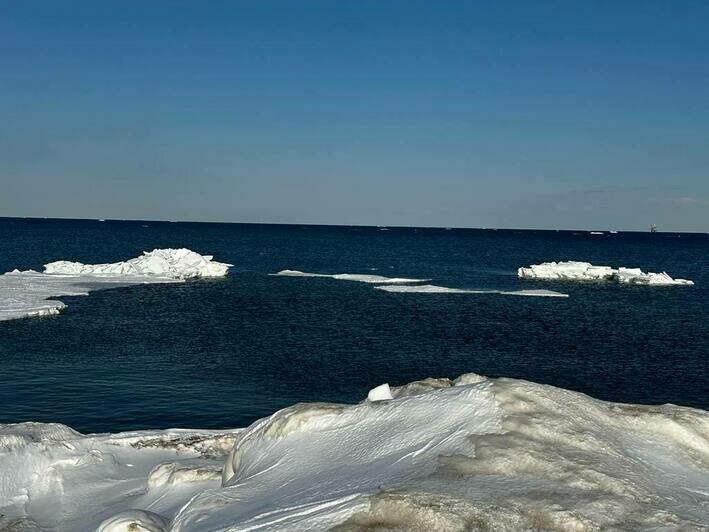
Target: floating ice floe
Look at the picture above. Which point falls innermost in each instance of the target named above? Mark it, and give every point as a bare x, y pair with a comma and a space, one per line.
362, 278
474, 453
26, 293
585, 271
434, 289
406, 285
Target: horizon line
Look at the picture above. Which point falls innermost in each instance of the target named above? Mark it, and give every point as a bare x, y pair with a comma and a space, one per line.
310, 224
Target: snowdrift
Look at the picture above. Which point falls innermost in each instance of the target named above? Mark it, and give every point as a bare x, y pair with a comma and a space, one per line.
25, 293
585, 271
473, 453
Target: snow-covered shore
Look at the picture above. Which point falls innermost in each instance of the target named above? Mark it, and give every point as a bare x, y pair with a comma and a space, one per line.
25, 293
474, 453
585, 271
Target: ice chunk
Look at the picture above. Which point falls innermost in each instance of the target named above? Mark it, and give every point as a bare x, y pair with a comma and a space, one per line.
380, 393
637, 276
585, 271
26, 294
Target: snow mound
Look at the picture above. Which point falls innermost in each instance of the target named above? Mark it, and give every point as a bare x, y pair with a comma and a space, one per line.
585, 271
362, 278
434, 289
26, 293
466, 454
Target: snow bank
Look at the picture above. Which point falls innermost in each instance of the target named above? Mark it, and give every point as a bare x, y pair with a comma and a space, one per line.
584, 271
473, 453
25, 294
362, 278
434, 289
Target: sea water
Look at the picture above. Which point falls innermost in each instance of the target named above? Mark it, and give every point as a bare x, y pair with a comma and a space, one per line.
223, 352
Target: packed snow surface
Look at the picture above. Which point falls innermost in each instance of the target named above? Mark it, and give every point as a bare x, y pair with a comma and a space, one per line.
468, 454
25, 293
434, 289
362, 278
585, 271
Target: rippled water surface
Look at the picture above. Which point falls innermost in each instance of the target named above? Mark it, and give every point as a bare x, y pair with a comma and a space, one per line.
221, 353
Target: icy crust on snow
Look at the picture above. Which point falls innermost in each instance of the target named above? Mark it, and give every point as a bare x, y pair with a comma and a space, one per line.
362, 278
434, 289
437, 454
585, 271
26, 293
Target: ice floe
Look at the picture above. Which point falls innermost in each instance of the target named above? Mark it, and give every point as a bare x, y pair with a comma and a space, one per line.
170, 263
585, 271
434, 289
473, 453
27, 293
362, 278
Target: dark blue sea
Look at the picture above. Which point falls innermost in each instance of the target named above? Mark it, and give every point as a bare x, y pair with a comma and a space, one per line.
222, 353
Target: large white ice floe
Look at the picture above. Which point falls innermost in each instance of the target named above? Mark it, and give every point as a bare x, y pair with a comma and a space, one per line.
585, 271
26, 293
362, 278
469, 454
170, 263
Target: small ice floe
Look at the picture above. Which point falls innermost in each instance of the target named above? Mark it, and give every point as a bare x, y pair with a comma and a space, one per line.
585, 271
434, 289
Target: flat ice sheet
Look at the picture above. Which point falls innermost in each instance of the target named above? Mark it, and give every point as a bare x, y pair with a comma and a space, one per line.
434, 289
408, 286
474, 453
362, 278
27, 293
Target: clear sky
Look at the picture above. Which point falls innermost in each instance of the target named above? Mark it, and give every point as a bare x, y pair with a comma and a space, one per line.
477, 114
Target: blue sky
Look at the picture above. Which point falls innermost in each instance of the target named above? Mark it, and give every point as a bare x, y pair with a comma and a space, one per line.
474, 114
